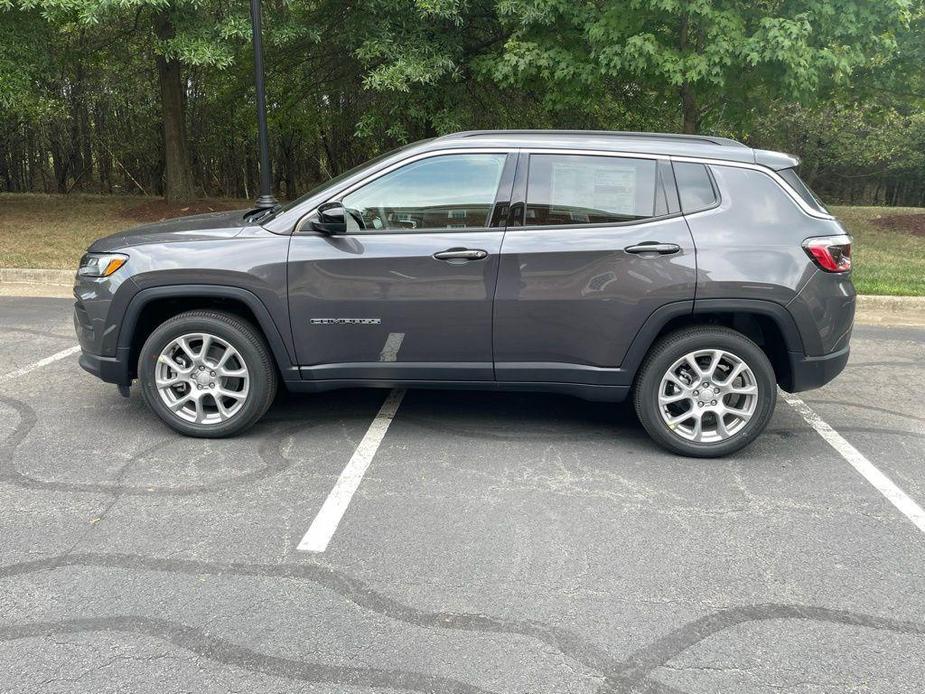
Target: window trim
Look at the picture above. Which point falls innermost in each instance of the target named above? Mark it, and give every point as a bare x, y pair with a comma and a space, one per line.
527, 150
341, 194
696, 160
773, 175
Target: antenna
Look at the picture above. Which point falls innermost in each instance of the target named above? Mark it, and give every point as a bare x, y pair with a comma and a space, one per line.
265, 198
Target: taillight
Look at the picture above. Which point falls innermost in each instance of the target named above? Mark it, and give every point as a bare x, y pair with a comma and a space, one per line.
830, 253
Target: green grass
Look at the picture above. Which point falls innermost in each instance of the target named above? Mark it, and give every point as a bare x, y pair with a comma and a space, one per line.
885, 261
52, 231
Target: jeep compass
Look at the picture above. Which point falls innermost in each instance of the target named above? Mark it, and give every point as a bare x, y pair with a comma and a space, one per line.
691, 274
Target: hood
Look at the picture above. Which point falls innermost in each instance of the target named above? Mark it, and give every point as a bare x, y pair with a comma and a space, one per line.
199, 227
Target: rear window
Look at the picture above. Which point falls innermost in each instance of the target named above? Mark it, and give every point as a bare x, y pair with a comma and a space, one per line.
587, 189
791, 176
695, 187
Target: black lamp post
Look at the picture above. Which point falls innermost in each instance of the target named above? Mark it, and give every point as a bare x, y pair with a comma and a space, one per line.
265, 198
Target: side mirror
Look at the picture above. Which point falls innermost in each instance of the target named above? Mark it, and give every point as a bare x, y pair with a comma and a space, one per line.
331, 219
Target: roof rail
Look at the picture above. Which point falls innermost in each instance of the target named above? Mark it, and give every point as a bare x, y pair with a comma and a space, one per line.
704, 139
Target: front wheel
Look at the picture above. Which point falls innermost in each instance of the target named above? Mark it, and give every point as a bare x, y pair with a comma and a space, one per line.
207, 374
705, 391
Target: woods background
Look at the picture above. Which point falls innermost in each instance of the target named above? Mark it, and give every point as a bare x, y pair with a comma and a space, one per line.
156, 96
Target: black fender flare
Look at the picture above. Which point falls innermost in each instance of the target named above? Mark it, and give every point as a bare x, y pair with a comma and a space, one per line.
659, 318
267, 325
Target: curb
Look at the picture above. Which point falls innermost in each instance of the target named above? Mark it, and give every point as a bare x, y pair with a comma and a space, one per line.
871, 310
9, 275
890, 310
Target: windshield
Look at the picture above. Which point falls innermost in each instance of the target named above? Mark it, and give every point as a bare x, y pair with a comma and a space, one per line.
791, 176
330, 183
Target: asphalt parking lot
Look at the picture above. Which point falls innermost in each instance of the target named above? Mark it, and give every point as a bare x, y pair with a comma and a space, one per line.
497, 542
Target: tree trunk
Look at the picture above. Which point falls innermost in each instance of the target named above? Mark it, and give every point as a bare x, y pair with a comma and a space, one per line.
179, 178
690, 110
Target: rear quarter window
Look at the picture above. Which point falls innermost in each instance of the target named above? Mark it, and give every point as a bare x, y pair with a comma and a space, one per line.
793, 178
695, 187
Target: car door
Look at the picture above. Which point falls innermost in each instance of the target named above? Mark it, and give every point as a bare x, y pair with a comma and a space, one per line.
406, 293
595, 244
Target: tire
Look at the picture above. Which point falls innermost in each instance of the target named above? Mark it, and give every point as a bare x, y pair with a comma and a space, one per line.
735, 409
226, 393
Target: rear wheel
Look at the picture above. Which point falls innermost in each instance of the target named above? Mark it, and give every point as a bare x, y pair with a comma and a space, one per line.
207, 374
705, 391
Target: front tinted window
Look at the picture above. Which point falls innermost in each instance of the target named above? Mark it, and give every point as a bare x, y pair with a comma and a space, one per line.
694, 186
453, 191
587, 189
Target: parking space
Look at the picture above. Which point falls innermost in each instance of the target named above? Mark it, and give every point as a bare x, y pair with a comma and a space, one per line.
497, 542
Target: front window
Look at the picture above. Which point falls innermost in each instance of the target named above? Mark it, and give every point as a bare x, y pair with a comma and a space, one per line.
452, 191
588, 189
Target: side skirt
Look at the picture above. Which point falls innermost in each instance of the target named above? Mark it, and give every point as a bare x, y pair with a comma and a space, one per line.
600, 393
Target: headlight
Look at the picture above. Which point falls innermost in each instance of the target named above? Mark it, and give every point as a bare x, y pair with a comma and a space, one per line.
100, 264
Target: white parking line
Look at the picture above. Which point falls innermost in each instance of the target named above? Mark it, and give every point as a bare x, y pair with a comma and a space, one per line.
23, 370
322, 528
856, 459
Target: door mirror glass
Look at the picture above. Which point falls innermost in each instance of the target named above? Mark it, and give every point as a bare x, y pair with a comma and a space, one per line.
331, 219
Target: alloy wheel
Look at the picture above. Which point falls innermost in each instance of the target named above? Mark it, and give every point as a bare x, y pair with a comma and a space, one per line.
708, 396
202, 378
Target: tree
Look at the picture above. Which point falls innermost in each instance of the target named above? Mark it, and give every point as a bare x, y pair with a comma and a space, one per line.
174, 34
708, 56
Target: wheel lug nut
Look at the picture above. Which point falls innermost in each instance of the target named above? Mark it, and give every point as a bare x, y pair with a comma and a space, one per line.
716, 390
713, 402
212, 373
211, 385
700, 404
202, 368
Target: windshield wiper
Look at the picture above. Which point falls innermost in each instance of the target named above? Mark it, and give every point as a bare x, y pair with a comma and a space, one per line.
259, 213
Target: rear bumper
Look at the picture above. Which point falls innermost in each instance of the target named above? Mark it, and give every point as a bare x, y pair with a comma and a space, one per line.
109, 369
807, 373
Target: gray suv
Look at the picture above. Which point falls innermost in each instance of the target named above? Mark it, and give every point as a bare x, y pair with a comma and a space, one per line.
693, 274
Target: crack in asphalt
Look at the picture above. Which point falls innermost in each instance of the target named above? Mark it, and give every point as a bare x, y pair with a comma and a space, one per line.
629, 675
205, 645
859, 406
268, 450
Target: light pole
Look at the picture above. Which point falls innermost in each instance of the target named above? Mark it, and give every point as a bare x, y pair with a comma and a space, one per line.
265, 198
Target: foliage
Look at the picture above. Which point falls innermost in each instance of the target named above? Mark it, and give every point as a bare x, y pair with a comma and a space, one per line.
839, 82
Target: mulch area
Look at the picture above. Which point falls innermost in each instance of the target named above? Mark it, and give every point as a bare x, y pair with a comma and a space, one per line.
157, 210
909, 223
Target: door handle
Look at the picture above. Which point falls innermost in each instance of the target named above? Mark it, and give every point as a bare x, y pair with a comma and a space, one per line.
653, 247
461, 254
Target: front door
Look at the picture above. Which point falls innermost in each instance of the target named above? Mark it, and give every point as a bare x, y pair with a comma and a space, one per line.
599, 248
406, 293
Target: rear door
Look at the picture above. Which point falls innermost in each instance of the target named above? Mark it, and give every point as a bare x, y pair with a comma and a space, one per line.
406, 293
595, 244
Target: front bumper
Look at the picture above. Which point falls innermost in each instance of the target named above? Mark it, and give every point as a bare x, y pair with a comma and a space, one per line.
109, 369
807, 373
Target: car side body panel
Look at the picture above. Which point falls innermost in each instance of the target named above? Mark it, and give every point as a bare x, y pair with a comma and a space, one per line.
380, 305
570, 301
749, 247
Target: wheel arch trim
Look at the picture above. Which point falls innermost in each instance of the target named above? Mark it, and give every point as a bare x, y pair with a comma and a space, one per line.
659, 318
267, 325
